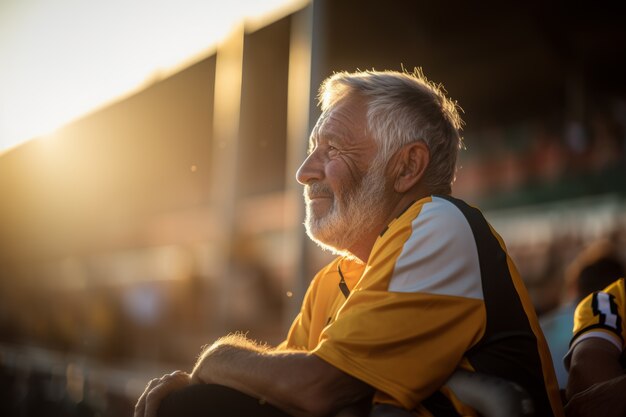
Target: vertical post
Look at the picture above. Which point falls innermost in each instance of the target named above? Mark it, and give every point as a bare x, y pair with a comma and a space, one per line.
298, 103
227, 111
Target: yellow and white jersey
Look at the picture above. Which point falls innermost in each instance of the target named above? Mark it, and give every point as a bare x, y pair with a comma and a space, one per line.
601, 314
438, 292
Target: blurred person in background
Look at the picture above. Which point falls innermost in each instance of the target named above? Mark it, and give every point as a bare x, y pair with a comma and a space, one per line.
421, 287
595, 361
593, 269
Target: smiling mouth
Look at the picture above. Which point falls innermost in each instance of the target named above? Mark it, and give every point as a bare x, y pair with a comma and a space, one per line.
317, 192
319, 197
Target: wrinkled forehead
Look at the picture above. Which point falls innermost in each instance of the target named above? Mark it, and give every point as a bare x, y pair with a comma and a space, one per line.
315, 132
321, 122
346, 120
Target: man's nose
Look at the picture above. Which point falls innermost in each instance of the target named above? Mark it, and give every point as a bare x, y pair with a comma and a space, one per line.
311, 170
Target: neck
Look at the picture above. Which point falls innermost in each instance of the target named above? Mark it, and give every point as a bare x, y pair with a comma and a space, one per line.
363, 248
361, 251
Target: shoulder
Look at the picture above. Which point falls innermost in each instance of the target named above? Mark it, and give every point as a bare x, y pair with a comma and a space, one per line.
438, 251
435, 208
444, 215
600, 315
440, 228
438, 217
602, 308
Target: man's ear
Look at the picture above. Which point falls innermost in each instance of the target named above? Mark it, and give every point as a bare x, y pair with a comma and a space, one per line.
411, 163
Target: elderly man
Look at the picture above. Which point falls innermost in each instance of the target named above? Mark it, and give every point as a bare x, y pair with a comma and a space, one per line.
422, 284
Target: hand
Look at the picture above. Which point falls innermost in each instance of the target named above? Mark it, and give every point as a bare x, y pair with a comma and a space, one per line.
157, 390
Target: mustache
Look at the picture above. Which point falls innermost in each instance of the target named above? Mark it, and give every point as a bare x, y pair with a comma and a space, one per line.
317, 190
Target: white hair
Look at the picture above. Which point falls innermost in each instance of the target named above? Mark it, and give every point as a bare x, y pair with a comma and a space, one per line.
403, 108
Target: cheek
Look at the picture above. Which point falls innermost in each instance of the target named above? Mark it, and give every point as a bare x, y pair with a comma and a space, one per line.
339, 177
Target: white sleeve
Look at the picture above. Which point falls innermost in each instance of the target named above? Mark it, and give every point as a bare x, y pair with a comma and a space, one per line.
440, 256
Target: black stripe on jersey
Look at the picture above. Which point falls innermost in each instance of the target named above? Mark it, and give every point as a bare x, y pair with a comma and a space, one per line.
342, 283
612, 308
508, 348
602, 318
440, 406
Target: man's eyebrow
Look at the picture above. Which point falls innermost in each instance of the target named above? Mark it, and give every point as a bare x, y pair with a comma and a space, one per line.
321, 132
333, 136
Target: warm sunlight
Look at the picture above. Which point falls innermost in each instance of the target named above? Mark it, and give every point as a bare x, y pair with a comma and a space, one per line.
65, 58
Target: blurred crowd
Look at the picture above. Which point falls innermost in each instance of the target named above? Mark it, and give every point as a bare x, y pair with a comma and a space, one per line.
545, 159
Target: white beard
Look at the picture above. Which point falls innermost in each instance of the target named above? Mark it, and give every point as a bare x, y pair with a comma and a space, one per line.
352, 215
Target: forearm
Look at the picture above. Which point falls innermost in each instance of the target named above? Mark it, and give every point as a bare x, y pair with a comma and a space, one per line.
298, 383
239, 363
596, 381
593, 361
600, 399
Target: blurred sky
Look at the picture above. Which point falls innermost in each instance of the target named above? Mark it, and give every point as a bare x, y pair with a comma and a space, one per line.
60, 59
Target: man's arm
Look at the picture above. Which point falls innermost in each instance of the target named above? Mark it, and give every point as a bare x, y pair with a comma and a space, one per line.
596, 383
299, 383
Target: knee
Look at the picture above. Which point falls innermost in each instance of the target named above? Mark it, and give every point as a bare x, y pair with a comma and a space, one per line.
189, 401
